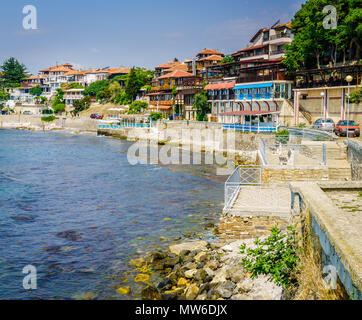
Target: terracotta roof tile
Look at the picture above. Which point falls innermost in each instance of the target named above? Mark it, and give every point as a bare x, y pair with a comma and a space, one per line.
177, 74
218, 86
212, 58
211, 51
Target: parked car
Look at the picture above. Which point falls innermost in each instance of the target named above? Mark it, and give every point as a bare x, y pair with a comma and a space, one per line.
27, 113
353, 128
96, 116
324, 124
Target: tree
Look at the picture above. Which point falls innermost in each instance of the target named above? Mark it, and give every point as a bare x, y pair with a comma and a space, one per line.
81, 105
201, 105
58, 103
12, 73
132, 86
36, 91
137, 107
314, 45
4, 96
95, 88
136, 79
227, 59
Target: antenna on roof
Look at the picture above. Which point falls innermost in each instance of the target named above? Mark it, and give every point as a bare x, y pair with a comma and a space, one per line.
275, 24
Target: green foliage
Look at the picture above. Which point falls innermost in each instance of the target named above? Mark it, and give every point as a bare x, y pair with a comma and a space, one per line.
58, 103
356, 96
72, 85
313, 45
360, 194
227, 59
59, 108
302, 125
36, 91
81, 105
156, 115
48, 119
95, 89
136, 79
282, 136
275, 257
12, 73
201, 105
137, 107
4, 96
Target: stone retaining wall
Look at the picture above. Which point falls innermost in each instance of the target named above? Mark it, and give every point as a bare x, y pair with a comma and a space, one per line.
239, 228
279, 174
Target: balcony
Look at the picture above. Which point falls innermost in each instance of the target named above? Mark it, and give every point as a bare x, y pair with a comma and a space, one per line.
280, 38
255, 78
162, 103
189, 84
164, 87
226, 97
324, 83
73, 97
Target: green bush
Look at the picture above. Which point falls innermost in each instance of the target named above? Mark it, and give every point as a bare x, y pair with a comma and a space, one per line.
137, 107
58, 108
48, 119
282, 136
275, 257
156, 115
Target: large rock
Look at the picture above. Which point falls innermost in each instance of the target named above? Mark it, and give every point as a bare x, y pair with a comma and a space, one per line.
189, 246
202, 257
192, 292
220, 277
225, 290
200, 275
245, 286
151, 293
190, 273
235, 273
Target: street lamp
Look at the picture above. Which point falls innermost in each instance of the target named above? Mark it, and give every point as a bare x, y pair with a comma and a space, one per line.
349, 79
322, 104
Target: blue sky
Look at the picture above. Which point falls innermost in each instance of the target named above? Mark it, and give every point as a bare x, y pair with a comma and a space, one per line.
94, 33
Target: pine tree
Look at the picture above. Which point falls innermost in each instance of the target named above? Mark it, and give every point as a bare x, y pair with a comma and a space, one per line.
12, 73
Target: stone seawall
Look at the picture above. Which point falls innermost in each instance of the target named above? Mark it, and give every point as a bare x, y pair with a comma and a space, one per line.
34, 122
239, 228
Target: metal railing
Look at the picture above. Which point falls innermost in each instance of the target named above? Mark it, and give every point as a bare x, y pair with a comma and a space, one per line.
250, 128
246, 193
288, 154
124, 125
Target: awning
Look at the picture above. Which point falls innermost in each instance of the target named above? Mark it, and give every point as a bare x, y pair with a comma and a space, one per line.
254, 86
248, 113
219, 86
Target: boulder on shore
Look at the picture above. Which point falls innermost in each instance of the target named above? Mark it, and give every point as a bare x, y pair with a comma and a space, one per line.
188, 246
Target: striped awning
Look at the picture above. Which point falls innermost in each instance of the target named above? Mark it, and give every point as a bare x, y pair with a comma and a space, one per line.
254, 86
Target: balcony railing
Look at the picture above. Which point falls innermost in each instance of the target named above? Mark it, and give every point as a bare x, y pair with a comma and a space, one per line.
279, 36
162, 103
324, 83
244, 79
275, 52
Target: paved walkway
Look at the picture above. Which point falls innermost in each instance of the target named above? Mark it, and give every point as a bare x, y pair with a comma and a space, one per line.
263, 200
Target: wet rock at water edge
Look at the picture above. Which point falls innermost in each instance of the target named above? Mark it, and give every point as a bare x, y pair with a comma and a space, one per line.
151, 293
164, 283
71, 235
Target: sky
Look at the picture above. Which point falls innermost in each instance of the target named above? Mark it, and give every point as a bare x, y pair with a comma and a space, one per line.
144, 33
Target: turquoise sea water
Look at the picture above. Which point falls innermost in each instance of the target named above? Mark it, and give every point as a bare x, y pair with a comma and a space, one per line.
74, 207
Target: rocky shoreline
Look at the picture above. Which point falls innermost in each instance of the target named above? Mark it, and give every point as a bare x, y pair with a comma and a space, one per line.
201, 270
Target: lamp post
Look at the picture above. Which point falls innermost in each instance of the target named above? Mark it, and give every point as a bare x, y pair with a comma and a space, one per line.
349, 79
322, 104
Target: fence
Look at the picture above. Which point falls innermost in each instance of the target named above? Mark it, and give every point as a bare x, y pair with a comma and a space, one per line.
279, 153
124, 125
249, 128
246, 193
355, 158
